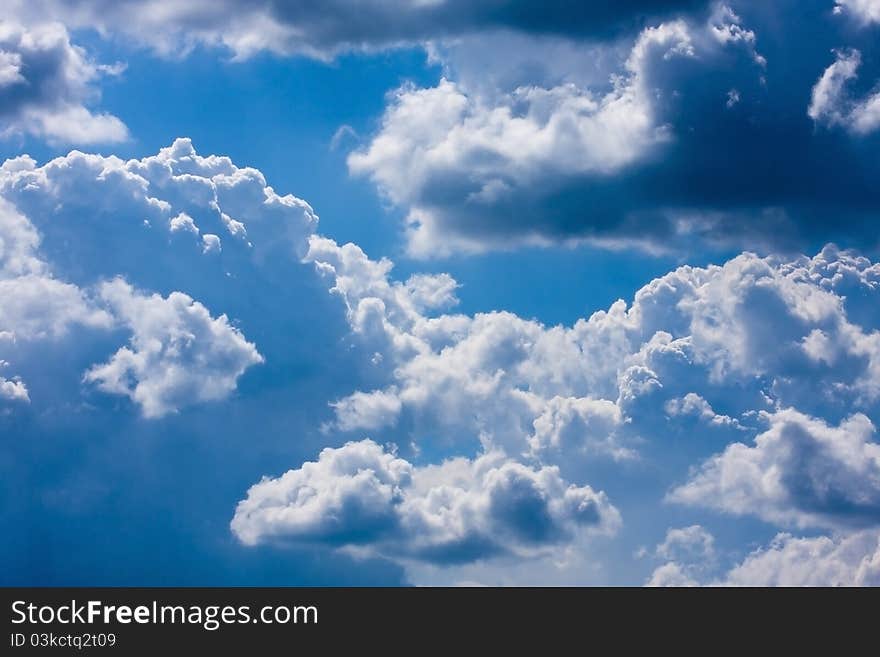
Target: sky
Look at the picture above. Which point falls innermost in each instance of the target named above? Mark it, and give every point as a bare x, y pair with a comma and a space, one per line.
439, 293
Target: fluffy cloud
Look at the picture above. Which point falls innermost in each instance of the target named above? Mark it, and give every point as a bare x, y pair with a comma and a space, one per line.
82, 219
36, 307
752, 337
671, 574
557, 125
800, 471
348, 495
46, 83
501, 421
747, 332
441, 146
570, 426
848, 560
178, 351
831, 104
459, 510
622, 148
695, 406
162, 207
689, 552
687, 543
292, 27
14, 390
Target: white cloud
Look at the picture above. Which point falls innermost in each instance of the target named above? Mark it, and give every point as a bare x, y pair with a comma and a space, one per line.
178, 354
430, 136
82, 219
349, 494
46, 83
471, 161
671, 574
866, 11
18, 243
33, 304
743, 336
801, 471
695, 406
211, 243
457, 511
432, 291
692, 542
38, 307
523, 410
847, 560
14, 390
833, 105
176, 190
367, 410
574, 426
689, 554
743, 332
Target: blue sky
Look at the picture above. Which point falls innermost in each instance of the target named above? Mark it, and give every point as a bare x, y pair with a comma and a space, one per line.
332, 297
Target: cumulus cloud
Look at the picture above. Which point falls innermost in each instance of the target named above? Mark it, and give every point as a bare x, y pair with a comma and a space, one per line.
591, 135
457, 511
431, 137
480, 168
671, 574
36, 307
687, 542
178, 353
500, 419
831, 104
695, 406
81, 220
572, 426
46, 83
14, 390
801, 471
752, 337
620, 147
195, 199
755, 333
367, 410
688, 552
847, 560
